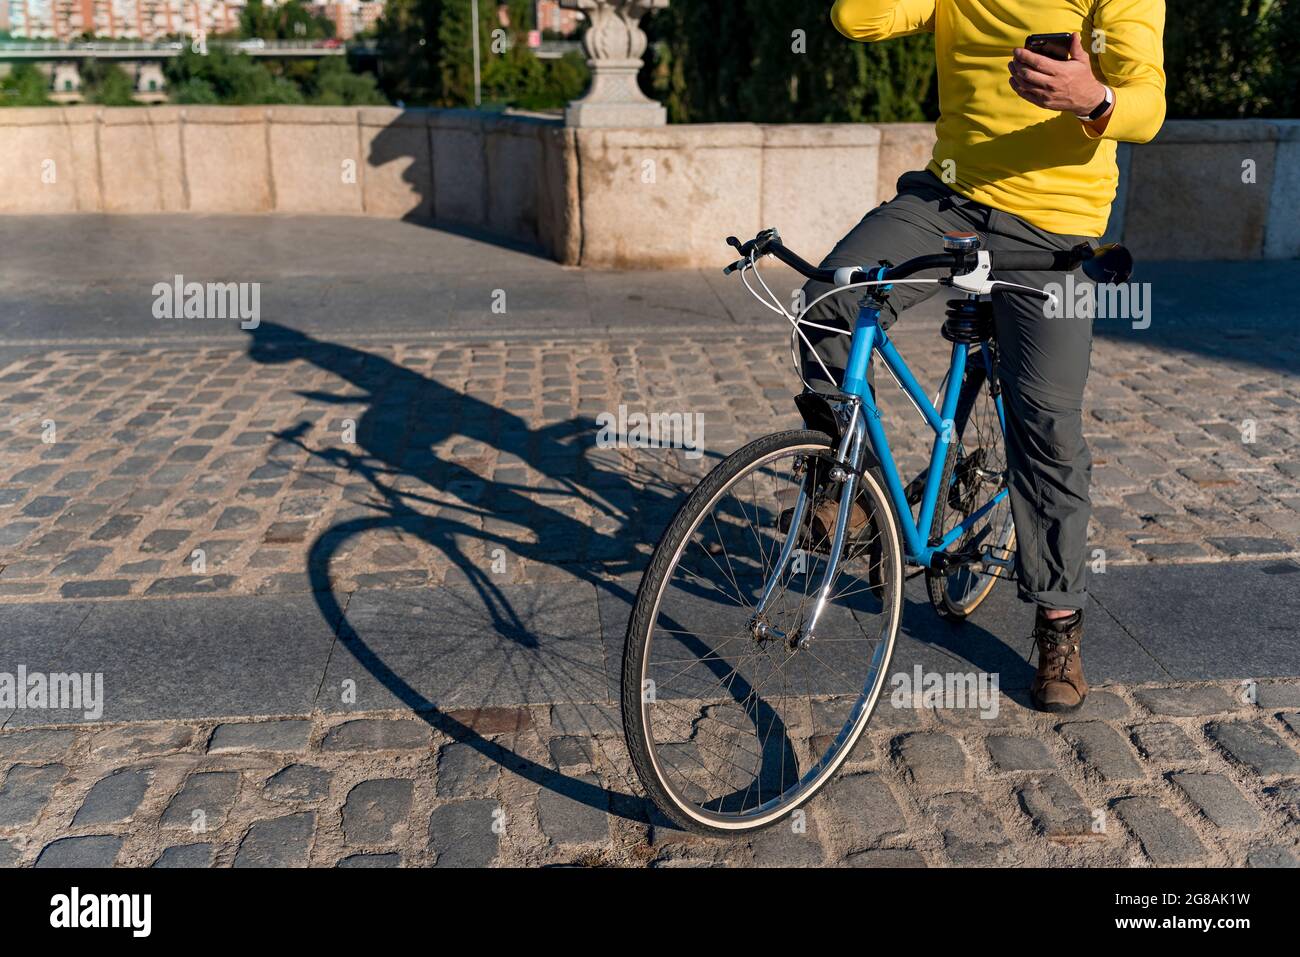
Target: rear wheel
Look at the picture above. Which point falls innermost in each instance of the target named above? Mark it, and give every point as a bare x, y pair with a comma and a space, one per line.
730, 723
974, 472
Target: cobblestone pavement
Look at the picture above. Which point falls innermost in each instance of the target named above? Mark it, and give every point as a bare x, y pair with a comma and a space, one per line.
159, 452
157, 472
356, 462
1157, 775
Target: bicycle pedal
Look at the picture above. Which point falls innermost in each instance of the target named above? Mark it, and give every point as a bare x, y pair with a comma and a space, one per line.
999, 565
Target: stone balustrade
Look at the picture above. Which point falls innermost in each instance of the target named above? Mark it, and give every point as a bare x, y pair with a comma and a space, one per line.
648, 197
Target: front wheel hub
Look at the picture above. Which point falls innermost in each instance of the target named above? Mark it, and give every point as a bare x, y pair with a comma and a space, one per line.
763, 631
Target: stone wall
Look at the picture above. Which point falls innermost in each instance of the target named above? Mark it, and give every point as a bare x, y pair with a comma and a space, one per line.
649, 198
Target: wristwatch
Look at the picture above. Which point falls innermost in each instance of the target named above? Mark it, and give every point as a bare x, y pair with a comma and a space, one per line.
1100, 109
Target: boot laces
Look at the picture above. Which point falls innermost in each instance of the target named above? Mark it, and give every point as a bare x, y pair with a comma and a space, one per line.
1056, 650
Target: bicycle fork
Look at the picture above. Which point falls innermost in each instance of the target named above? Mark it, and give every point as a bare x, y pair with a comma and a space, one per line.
845, 470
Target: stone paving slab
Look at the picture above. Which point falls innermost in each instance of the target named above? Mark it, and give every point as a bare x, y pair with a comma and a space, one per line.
1225, 620
445, 647
456, 647
236, 655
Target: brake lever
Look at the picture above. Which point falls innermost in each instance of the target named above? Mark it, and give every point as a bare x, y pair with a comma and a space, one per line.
1029, 291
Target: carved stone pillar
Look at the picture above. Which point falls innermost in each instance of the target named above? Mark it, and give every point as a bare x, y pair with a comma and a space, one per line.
615, 45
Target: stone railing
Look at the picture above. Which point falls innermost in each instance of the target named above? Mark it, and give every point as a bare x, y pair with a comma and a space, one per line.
652, 197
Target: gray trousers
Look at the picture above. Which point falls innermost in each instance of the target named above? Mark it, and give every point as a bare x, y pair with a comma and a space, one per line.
1042, 366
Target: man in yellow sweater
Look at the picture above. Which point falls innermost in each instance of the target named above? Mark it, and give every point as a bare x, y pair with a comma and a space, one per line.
1025, 157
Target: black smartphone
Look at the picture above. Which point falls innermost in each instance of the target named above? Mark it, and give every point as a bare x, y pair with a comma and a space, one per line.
1054, 45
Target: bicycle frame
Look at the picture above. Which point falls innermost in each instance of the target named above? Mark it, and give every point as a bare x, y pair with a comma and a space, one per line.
869, 338
864, 431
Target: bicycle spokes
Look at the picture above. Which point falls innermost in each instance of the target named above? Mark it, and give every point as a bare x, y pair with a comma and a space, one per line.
742, 698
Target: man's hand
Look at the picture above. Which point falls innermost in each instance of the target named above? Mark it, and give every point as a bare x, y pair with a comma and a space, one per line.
1065, 85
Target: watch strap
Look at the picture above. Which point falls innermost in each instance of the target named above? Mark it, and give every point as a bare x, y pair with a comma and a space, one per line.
1100, 109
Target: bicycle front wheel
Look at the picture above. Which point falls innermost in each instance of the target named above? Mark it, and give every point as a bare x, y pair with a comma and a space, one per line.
731, 727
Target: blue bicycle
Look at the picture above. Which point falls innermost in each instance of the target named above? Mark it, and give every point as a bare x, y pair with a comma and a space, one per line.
762, 631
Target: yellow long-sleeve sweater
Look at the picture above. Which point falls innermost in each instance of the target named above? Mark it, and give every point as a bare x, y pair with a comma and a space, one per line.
1000, 150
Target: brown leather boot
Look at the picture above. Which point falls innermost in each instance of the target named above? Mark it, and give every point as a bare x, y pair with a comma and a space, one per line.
822, 523
861, 530
1059, 685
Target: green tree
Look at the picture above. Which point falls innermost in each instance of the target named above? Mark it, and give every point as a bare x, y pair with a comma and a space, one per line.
106, 83
804, 71
333, 84
514, 75
782, 61
409, 65
695, 76
1218, 58
25, 86
1283, 84
291, 20
456, 39
427, 57
196, 91
233, 78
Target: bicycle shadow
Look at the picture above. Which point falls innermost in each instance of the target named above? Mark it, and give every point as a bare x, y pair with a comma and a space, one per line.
392, 450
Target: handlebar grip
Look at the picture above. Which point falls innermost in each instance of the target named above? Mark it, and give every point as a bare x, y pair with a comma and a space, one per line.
1035, 260
800, 265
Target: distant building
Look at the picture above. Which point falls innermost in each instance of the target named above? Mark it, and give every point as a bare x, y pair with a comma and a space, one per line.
350, 17
370, 14
149, 19
549, 15
32, 19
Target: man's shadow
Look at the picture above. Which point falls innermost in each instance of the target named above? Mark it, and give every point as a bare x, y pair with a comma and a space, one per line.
406, 415
462, 209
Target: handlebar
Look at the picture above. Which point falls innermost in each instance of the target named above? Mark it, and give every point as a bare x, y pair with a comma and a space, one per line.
769, 243
1111, 263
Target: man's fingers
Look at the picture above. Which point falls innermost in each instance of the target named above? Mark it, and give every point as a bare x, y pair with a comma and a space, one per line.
1030, 78
1043, 64
1026, 94
1077, 52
